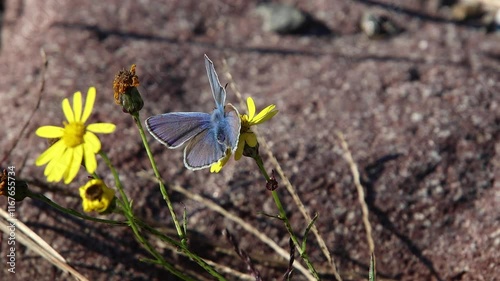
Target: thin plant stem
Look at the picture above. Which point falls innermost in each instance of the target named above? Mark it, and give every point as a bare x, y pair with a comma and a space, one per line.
72, 212
125, 204
284, 218
163, 190
210, 269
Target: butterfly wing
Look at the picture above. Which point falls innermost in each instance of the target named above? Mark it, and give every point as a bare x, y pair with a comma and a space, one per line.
232, 126
174, 129
209, 135
211, 145
203, 150
218, 91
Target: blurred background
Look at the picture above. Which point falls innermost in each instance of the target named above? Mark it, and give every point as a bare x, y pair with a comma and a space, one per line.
411, 84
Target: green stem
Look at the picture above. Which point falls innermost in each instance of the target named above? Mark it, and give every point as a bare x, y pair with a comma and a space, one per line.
185, 250
118, 182
284, 218
163, 190
124, 203
72, 212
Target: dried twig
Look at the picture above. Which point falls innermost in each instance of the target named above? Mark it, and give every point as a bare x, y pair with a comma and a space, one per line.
288, 274
31, 240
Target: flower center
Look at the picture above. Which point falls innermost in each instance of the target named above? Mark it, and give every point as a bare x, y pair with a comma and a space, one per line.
94, 192
73, 133
245, 124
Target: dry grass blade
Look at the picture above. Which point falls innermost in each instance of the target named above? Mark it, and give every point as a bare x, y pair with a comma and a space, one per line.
361, 192
491, 3
226, 269
25, 236
286, 181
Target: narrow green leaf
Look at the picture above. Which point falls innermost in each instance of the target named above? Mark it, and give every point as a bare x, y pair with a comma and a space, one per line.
307, 232
372, 275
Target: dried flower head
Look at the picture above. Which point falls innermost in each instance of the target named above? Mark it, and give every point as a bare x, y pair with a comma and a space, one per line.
125, 90
3, 183
124, 81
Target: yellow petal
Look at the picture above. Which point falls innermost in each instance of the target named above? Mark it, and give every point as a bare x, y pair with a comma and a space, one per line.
82, 190
89, 158
65, 165
251, 139
107, 198
91, 142
217, 167
89, 104
251, 108
51, 173
57, 167
239, 150
77, 105
68, 112
50, 168
102, 128
74, 165
266, 114
91, 205
55, 151
86, 206
50, 132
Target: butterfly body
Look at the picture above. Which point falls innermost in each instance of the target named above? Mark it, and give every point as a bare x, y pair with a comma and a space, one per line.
209, 136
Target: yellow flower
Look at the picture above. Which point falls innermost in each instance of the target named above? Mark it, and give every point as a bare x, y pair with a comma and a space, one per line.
96, 196
247, 137
76, 141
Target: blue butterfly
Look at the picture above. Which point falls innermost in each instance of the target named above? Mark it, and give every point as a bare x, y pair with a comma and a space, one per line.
209, 136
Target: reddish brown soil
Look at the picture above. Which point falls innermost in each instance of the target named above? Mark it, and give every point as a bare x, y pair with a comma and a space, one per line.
420, 112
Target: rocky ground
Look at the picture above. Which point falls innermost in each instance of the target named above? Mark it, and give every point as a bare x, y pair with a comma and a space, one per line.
419, 108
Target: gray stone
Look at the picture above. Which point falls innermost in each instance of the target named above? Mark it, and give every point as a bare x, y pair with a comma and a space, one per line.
281, 18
